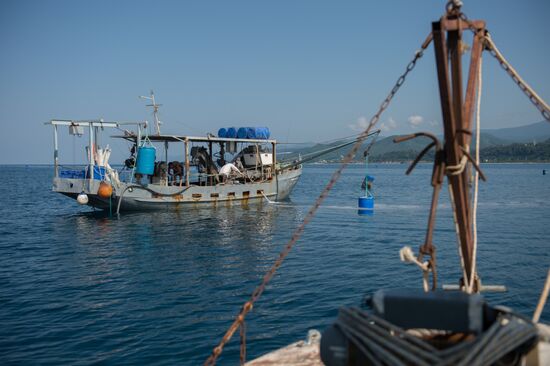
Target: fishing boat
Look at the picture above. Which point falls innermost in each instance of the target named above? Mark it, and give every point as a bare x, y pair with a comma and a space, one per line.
428, 324
239, 165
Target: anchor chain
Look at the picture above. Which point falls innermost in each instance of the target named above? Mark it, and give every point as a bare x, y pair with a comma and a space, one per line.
239, 320
537, 101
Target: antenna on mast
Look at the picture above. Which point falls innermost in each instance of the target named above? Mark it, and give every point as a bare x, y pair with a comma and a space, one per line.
155, 110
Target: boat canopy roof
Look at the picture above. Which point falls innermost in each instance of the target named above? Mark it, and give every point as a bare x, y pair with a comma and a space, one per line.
181, 138
130, 136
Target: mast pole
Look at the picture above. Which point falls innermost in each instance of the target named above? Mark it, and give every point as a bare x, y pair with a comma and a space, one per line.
155, 110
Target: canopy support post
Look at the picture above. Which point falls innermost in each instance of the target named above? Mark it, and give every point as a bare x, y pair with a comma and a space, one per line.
55, 153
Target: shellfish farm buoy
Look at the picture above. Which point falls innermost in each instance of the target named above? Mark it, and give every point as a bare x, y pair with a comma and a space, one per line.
365, 205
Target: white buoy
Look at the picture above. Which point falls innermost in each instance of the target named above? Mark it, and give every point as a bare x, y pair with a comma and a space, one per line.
82, 198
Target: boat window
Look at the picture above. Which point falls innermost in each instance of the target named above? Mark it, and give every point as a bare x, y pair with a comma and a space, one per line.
246, 193
214, 195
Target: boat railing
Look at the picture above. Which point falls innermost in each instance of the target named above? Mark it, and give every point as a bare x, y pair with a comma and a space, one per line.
72, 171
82, 172
127, 175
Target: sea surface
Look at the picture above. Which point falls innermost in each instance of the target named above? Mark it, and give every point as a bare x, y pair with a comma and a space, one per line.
80, 287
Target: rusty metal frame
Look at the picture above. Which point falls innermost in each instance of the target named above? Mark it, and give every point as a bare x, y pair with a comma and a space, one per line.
457, 114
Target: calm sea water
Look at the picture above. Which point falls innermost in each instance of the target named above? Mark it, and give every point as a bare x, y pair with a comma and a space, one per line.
78, 287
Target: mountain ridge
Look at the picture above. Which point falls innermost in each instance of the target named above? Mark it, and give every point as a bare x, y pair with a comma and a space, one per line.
519, 140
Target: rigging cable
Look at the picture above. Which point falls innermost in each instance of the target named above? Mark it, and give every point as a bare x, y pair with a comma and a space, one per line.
315, 155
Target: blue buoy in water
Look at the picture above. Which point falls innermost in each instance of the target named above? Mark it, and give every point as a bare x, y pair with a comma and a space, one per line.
365, 205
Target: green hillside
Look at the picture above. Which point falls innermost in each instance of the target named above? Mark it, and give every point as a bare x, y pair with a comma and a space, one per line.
501, 145
517, 153
385, 150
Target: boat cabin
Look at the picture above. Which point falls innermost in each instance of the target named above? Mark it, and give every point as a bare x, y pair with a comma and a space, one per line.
168, 160
202, 161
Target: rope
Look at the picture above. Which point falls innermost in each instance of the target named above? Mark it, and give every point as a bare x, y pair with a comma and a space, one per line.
542, 300
459, 168
383, 343
470, 285
457, 230
406, 255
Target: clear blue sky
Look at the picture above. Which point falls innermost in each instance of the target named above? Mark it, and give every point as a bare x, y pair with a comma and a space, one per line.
309, 70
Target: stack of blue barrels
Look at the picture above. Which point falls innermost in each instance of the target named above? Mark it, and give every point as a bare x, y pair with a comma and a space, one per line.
259, 133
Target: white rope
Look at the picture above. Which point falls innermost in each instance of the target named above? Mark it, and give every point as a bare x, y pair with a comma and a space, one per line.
470, 285
267, 198
406, 255
457, 230
459, 168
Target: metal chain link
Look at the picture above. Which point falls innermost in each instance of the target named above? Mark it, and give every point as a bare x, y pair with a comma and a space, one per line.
537, 101
239, 320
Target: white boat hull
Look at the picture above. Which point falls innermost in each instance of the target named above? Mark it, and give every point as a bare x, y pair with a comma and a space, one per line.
135, 197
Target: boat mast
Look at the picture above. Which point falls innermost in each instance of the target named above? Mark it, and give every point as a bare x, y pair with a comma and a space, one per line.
457, 118
155, 110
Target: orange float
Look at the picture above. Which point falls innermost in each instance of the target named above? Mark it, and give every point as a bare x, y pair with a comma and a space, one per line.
105, 190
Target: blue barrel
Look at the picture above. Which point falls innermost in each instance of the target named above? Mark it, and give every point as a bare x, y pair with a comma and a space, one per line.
146, 160
255, 133
251, 133
231, 132
261, 133
222, 132
366, 203
242, 132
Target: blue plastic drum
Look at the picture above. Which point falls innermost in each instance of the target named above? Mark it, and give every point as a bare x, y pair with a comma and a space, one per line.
146, 160
260, 133
242, 132
231, 132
